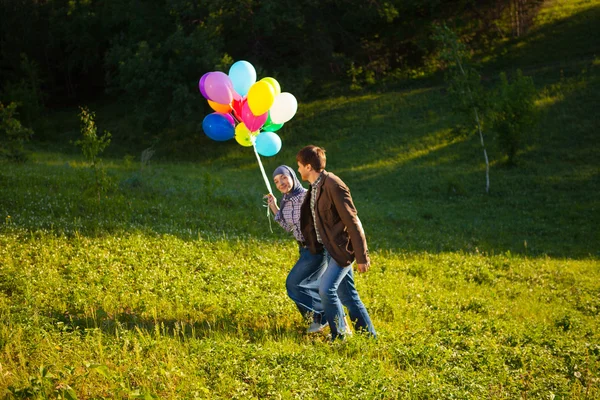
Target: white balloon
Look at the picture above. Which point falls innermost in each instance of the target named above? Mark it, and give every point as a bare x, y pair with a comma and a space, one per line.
284, 108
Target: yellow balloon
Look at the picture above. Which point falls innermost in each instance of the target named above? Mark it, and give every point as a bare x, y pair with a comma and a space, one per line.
242, 135
222, 108
273, 83
260, 98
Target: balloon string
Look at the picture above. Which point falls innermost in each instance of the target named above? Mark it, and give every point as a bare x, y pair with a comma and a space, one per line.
262, 170
268, 216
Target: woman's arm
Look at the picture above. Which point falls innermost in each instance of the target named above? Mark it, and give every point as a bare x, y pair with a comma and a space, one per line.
272, 202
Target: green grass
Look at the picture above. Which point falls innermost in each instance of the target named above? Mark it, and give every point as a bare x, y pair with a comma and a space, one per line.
173, 286
563, 34
121, 315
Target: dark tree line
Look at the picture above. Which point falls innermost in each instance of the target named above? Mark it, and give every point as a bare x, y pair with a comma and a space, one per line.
152, 52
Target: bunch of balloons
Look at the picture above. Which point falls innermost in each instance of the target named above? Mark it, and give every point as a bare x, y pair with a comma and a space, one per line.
245, 109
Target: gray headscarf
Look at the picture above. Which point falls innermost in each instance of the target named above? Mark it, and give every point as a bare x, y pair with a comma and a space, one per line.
297, 187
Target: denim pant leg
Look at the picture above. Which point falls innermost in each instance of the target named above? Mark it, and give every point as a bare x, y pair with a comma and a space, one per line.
349, 297
302, 283
328, 289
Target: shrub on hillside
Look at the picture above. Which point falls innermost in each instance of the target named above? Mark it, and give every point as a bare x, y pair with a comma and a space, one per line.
514, 113
12, 134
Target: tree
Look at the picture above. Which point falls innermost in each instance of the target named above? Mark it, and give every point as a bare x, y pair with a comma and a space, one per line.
464, 84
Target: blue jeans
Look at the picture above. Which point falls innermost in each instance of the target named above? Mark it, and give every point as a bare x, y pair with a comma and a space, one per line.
337, 289
302, 284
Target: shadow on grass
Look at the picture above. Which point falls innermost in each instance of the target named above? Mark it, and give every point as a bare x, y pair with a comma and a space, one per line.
259, 330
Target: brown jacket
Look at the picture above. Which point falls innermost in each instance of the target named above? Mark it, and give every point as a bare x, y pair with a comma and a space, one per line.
336, 219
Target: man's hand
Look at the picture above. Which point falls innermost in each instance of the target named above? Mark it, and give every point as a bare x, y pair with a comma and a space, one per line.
363, 267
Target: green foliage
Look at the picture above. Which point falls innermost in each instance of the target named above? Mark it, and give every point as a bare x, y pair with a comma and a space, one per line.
92, 146
464, 84
12, 133
463, 79
514, 113
159, 73
155, 52
44, 385
26, 91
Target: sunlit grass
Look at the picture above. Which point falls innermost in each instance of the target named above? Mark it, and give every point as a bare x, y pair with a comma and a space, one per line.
163, 316
557, 10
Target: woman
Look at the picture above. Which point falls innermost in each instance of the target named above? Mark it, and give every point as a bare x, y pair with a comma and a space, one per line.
302, 282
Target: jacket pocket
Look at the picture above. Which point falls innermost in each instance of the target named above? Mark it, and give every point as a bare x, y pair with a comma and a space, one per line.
330, 216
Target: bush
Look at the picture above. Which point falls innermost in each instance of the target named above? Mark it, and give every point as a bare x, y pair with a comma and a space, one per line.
514, 114
12, 134
91, 146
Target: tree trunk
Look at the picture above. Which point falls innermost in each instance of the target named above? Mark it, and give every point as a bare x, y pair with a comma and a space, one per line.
487, 162
485, 156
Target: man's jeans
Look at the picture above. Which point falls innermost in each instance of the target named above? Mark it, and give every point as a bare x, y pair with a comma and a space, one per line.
302, 283
336, 289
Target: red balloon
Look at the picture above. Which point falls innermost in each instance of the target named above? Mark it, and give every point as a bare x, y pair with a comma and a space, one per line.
237, 106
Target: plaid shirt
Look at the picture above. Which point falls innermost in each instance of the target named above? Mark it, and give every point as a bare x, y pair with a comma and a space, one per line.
288, 215
313, 201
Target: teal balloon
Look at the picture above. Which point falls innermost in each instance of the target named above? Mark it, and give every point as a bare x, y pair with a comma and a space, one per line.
268, 144
218, 127
243, 76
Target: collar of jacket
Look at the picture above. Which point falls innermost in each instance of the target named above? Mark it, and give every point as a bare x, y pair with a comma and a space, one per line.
324, 176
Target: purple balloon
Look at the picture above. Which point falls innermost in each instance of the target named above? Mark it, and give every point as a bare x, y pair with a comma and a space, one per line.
229, 118
219, 88
201, 85
253, 122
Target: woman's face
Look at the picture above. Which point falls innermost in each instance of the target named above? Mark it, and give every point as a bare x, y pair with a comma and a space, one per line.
283, 183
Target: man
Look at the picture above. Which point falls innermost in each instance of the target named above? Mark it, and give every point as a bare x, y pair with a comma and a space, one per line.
330, 224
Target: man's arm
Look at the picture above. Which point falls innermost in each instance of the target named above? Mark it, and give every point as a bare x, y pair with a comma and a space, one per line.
345, 207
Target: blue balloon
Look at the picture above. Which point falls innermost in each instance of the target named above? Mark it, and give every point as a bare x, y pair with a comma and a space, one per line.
242, 75
218, 127
268, 144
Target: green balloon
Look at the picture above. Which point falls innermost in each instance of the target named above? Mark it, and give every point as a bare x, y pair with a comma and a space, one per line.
272, 127
269, 126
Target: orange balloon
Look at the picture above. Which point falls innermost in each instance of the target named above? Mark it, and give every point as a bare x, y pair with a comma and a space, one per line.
222, 108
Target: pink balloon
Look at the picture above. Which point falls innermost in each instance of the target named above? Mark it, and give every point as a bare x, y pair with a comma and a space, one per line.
219, 88
201, 85
253, 122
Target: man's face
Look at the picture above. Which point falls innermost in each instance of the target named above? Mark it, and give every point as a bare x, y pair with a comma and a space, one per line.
303, 170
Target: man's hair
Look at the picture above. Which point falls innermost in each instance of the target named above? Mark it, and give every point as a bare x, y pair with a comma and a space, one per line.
313, 156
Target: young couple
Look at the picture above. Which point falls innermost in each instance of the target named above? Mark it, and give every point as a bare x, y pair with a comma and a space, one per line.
330, 236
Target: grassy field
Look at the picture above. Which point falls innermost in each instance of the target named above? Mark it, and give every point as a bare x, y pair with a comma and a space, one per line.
173, 285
